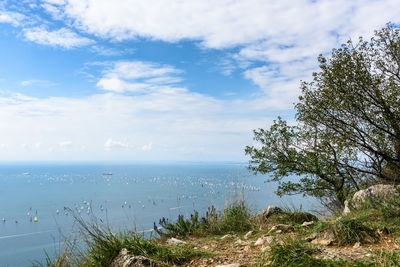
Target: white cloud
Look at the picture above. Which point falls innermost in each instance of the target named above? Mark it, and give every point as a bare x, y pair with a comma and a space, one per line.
14, 18
63, 37
138, 76
204, 126
110, 143
283, 35
228, 23
37, 82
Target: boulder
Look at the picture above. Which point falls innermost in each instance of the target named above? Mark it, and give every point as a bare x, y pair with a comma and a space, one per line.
124, 259
376, 192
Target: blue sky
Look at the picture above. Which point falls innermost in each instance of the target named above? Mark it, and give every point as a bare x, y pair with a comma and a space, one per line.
161, 80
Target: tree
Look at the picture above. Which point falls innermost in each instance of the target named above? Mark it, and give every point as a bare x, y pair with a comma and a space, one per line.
348, 131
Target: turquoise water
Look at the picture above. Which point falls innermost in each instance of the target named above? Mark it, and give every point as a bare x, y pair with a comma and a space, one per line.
122, 195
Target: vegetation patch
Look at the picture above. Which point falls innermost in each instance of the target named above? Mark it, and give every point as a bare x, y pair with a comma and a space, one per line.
236, 218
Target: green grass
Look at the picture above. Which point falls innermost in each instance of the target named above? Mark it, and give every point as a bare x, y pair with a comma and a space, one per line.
295, 253
293, 216
102, 246
235, 218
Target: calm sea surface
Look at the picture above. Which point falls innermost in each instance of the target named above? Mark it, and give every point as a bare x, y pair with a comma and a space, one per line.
123, 195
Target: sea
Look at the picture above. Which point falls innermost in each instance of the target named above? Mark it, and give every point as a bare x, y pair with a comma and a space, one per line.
40, 200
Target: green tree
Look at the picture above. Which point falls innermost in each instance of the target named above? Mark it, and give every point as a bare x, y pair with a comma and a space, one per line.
348, 130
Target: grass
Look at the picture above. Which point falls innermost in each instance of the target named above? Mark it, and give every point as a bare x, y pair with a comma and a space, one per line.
292, 216
103, 246
362, 225
235, 218
292, 252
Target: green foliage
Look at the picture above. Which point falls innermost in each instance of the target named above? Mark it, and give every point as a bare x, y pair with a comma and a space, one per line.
385, 258
295, 253
348, 130
348, 230
60, 261
235, 218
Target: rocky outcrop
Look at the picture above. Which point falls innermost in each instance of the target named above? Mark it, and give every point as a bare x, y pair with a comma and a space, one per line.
124, 259
373, 193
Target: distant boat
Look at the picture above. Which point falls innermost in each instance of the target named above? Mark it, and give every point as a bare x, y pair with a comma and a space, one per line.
107, 173
26, 173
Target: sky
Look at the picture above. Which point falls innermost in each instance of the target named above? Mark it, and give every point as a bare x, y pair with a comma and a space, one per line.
161, 79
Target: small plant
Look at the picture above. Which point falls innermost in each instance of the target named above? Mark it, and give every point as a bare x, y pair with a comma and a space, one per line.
60, 261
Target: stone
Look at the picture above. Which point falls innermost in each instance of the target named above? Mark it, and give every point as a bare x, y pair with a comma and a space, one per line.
227, 236
357, 245
278, 232
124, 259
376, 192
265, 239
229, 265
322, 241
259, 242
270, 210
346, 209
248, 234
325, 239
241, 242
305, 224
175, 241
281, 227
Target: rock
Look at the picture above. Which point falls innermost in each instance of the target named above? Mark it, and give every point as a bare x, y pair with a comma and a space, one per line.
311, 237
265, 239
278, 232
376, 192
124, 259
281, 227
248, 234
175, 241
259, 242
325, 239
357, 245
305, 224
241, 242
321, 241
346, 209
270, 210
228, 236
229, 265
